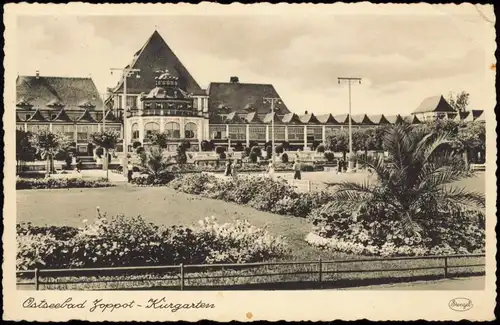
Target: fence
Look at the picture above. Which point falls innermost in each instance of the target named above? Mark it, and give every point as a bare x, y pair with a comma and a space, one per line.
296, 274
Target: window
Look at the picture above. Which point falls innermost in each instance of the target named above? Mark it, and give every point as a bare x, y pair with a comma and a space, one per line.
173, 130
237, 132
20, 127
58, 128
151, 128
316, 132
82, 133
217, 131
190, 130
131, 101
135, 131
257, 132
296, 133
279, 132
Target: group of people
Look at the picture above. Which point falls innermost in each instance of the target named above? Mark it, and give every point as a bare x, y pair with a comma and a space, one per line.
270, 171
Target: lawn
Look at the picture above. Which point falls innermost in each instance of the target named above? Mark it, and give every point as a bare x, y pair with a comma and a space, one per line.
166, 206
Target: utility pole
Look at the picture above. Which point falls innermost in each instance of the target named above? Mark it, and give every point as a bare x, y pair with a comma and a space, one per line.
349, 81
273, 101
126, 72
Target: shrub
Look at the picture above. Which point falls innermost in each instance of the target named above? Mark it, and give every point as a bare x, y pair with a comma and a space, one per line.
269, 152
278, 149
139, 150
246, 152
46, 183
320, 148
219, 150
284, 158
448, 232
132, 241
136, 144
285, 145
238, 146
222, 155
253, 157
99, 152
257, 151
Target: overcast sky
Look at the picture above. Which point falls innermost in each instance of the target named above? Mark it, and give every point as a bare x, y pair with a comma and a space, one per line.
401, 58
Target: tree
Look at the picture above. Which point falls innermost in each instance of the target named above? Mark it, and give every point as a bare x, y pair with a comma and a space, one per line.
47, 145
207, 145
413, 183
471, 137
460, 101
158, 139
107, 140
156, 165
24, 150
338, 141
238, 146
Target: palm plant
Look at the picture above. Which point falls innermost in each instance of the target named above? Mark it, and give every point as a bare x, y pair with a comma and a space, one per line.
413, 182
48, 144
155, 164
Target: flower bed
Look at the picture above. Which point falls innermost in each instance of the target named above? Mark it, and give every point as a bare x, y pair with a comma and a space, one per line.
245, 167
373, 232
48, 183
258, 192
132, 241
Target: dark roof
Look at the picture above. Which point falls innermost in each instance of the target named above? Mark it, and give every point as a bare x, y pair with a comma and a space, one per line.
378, 119
270, 117
253, 118
393, 119
86, 117
477, 113
216, 119
291, 118
481, 118
110, 117
361, 119
309, 119
327, 119
37, 117
434, 104
62, 116
342, 118
411, 119
42, 91
234, 118
239, 97
156, 55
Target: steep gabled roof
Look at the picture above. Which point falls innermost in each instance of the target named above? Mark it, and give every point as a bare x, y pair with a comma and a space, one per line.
361, 119
481, 118
412, 119
62, 116
110, 117
291, 118
253, 118
216, 119
476, 113
37, 117
342, 118
238, 97
270, 117
378, 119
393, 119
40, 91
234, 118
434, 104
309, 119
86, 117
153, 56
327, 119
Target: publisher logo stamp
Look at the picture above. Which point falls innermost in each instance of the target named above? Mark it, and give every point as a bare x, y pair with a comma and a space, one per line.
460, 304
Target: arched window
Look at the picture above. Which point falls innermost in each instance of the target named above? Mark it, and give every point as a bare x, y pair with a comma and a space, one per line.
135, 131
190, 130
173, 130
151, 127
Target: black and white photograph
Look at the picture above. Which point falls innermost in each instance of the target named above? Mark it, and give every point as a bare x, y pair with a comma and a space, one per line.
269, 151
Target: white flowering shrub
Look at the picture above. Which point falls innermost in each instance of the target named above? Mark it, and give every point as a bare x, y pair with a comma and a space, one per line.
373, 231
133, 241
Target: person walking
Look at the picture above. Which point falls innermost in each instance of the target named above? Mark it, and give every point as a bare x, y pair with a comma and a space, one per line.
296, 168
79, 165
130, 172
339, 166
233, 169
270, 170
228, 171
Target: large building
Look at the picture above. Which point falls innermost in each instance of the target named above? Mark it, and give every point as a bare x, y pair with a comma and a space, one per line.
162, 96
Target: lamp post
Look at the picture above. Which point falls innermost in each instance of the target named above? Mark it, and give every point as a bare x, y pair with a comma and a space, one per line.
127, 72
273, 101
349, 81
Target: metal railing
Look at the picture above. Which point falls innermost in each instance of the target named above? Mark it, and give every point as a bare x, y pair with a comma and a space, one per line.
318, 272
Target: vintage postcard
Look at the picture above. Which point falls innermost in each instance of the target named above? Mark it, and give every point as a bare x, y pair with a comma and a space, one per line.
249, 162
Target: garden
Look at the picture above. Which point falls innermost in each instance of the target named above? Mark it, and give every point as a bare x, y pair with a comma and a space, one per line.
413, 208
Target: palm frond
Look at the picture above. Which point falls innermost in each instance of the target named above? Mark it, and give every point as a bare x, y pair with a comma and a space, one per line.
461, 197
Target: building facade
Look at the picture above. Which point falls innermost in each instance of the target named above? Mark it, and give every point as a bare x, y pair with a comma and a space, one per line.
161, 96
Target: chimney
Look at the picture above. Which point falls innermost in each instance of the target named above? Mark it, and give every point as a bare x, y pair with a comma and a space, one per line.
234, 80
37, 74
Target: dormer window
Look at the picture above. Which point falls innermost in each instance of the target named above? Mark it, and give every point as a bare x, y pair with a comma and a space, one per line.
53, 116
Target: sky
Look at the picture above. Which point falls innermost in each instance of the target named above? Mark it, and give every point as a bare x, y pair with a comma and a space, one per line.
402, 58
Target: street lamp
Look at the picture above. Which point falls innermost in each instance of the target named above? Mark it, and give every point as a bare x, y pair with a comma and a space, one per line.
273, 101
126, 72
349, 81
